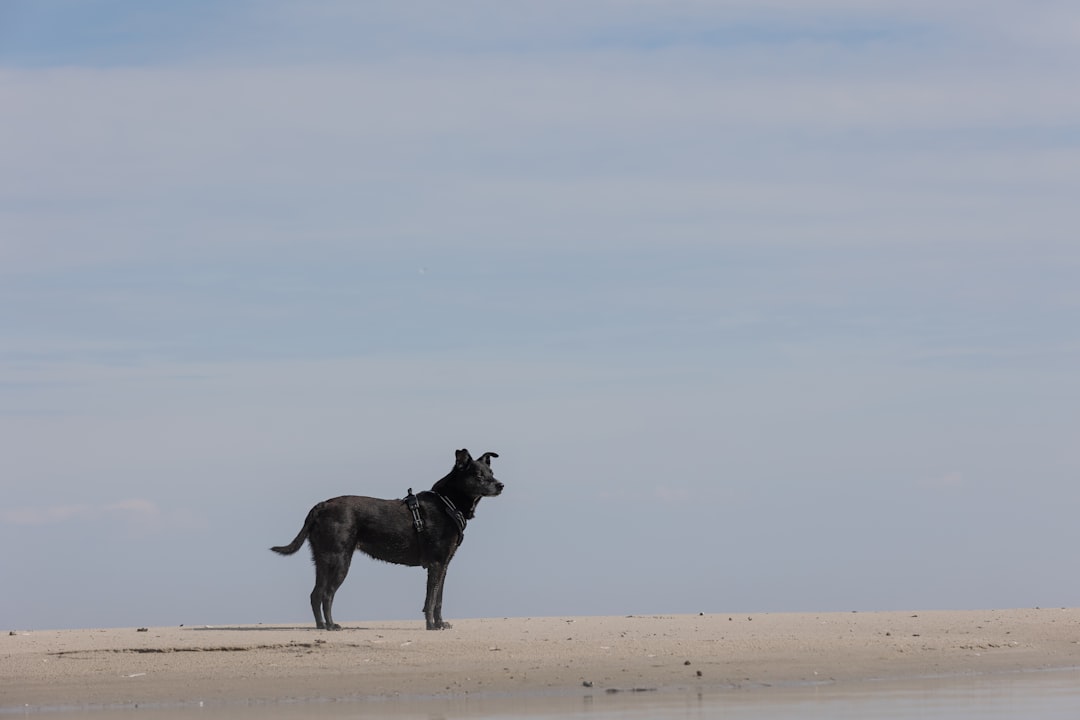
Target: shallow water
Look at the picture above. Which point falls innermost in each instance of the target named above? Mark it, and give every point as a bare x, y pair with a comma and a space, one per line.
1049, 695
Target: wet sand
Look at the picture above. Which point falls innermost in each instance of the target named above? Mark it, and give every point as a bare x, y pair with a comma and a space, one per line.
521, 656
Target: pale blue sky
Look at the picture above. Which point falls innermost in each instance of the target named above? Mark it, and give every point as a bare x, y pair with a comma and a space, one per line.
764, 305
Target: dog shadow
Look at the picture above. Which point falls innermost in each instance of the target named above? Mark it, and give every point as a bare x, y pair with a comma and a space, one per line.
278, 628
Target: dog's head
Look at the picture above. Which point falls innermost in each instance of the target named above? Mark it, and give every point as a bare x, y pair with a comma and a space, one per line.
475, 476
469, 481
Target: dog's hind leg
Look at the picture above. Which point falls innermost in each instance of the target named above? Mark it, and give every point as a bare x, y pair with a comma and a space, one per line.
339, 570
318, 593
433, 603
330, 572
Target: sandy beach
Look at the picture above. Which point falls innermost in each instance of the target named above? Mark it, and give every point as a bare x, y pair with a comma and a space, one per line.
161, 666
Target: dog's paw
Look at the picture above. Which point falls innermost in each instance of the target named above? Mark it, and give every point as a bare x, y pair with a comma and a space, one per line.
441, 625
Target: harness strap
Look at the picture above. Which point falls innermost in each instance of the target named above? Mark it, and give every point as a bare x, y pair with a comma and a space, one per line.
414, 507
458, 516
418, 521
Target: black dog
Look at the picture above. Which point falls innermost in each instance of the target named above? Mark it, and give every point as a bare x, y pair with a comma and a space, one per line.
424, 529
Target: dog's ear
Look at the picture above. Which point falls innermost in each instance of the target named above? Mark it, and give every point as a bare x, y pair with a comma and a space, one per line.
486, 458
463, 457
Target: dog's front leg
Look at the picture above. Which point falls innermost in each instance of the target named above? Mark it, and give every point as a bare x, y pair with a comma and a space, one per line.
433, 602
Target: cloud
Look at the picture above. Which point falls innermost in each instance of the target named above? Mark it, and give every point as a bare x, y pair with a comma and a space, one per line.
567, 154
948, 481
672, 495
135, 510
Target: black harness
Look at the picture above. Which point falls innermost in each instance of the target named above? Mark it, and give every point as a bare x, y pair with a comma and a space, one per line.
418, 520
414, 507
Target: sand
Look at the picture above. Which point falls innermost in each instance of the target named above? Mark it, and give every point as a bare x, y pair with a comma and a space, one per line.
183, 666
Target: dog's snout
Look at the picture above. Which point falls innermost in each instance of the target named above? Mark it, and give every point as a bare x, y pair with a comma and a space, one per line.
498, 487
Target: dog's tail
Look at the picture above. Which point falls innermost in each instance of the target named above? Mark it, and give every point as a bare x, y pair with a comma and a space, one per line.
298, 541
